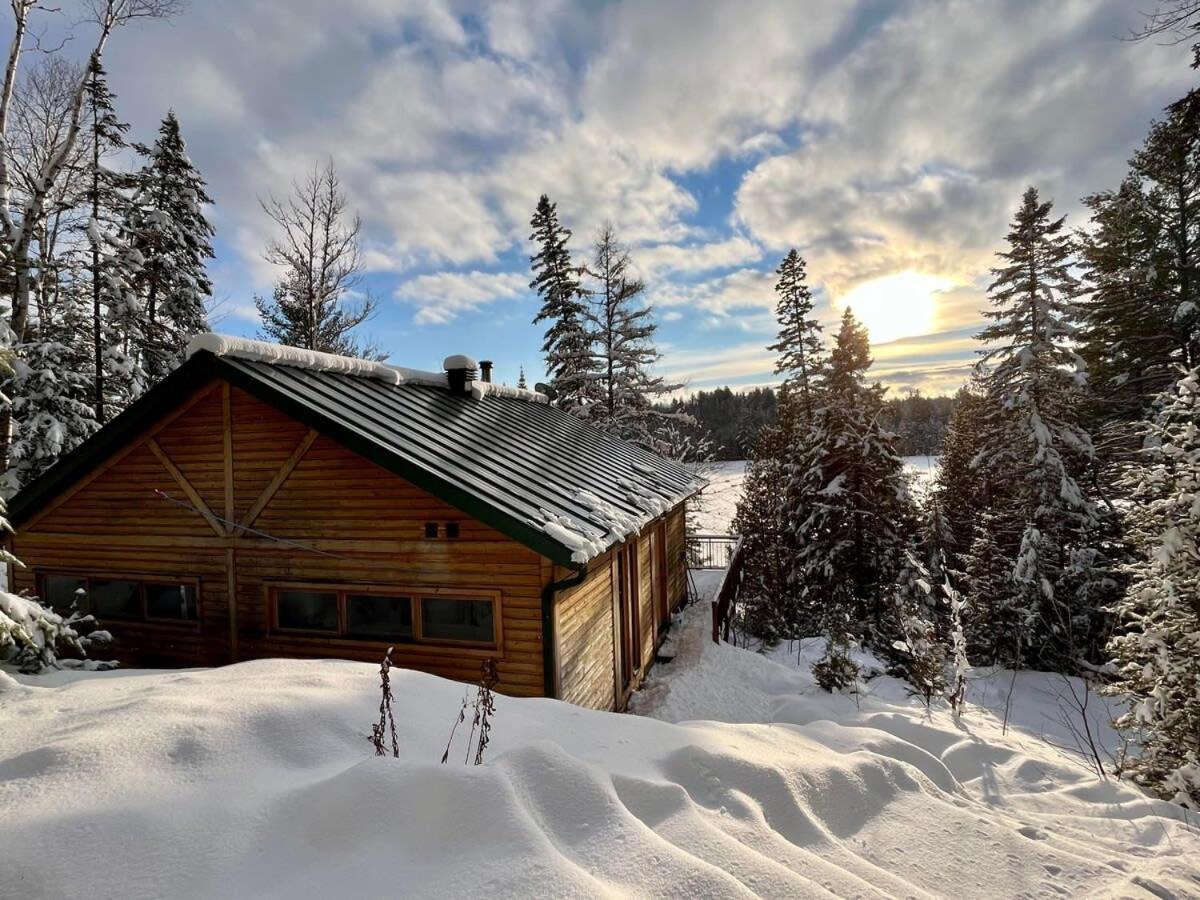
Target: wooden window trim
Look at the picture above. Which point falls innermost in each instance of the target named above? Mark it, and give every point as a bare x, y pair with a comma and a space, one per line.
142, 579
414, 593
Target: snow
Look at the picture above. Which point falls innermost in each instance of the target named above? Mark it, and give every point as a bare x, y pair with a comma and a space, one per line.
280, 354
257, 780
481, 389
713, 511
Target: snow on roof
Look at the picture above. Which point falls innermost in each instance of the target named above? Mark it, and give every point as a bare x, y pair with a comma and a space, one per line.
298, 358
282, 355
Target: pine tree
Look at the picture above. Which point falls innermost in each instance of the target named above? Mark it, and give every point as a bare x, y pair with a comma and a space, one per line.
801, 353
110, 278
915, 651
766, 602
318, 251
1157, 645
623, 330
959, 489
169, 240
1035, 449
52, 395
521, 379
570, 362
846, 501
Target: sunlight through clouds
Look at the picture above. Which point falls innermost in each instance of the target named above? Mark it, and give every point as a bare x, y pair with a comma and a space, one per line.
896, 306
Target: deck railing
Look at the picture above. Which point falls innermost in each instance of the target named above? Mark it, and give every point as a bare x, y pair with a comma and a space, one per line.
726, 597
711, 551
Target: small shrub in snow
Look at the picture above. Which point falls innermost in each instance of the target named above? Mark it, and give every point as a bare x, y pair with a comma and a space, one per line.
836, 671
915, 653
484, 708
386, 723
32, 638
956, 692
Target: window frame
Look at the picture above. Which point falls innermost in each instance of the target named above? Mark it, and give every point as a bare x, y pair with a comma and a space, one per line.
141, 579
414, 594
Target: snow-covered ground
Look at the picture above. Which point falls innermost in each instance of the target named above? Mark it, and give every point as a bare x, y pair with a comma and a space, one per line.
713, 513
739, 778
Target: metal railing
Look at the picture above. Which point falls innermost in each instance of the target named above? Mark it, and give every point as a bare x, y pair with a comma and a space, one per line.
726, 596
711, 551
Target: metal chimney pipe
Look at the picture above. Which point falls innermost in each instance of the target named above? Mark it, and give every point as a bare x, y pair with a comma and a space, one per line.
485, 370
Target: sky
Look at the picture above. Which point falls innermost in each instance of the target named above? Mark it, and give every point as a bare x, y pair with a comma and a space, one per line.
889, 142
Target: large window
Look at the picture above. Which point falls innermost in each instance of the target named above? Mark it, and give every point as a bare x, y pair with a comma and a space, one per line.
366, 613
149, 599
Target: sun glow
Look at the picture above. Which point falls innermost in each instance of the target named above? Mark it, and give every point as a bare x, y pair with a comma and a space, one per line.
896, 306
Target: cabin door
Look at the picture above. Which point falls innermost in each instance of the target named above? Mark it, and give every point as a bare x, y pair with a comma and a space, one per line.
658, 549
628, 613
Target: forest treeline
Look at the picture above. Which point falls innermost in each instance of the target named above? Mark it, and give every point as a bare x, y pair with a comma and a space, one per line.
730, 420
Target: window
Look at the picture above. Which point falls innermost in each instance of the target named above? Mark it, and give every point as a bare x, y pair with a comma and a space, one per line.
170, 601
65, 593
114, 599
431, 529
307, 610
378, 616
427, 615
451, 530
456, 619
122, 597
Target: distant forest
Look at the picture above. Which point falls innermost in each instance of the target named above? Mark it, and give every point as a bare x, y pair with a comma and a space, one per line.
731, 420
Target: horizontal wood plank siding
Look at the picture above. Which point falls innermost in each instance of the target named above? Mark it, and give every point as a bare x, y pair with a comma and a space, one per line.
585, 638
368, 523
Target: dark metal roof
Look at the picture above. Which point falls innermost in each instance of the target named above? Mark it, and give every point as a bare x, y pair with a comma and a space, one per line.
506, 461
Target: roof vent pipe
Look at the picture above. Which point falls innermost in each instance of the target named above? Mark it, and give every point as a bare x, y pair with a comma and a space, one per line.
460, 372
485, 370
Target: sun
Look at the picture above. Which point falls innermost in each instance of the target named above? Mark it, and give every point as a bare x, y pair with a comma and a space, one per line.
896, 306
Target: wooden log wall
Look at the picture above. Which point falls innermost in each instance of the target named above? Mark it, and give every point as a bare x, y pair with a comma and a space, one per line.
223, 454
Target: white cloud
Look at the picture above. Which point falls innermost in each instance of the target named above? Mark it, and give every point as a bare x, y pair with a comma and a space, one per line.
444, 296
664, 259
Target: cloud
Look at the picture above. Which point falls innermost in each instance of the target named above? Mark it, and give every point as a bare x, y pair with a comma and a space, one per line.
876, 138
665, 259
442, 297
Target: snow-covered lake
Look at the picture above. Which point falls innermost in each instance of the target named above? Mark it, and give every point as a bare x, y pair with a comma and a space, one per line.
717, 506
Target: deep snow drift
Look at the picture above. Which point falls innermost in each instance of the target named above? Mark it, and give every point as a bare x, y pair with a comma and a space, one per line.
258, 780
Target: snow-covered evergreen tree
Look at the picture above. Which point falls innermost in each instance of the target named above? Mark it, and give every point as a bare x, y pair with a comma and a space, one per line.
170, 241
570, 361
111, 281
847, 502
318, 251
958, 490
1157, 643
766, 601
1035, 450
915, 652
52, 396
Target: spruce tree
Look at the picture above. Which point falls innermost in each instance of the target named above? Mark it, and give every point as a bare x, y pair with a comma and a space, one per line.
570, 362
109, 260
52, 392
1157, 642
1035, 451
318, 251
958, 490
170, 240
847, 501
801, 353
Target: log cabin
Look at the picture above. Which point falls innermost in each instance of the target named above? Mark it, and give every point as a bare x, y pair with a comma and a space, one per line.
263, 501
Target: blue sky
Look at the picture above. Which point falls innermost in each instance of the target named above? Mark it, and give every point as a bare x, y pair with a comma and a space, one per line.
889, 142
